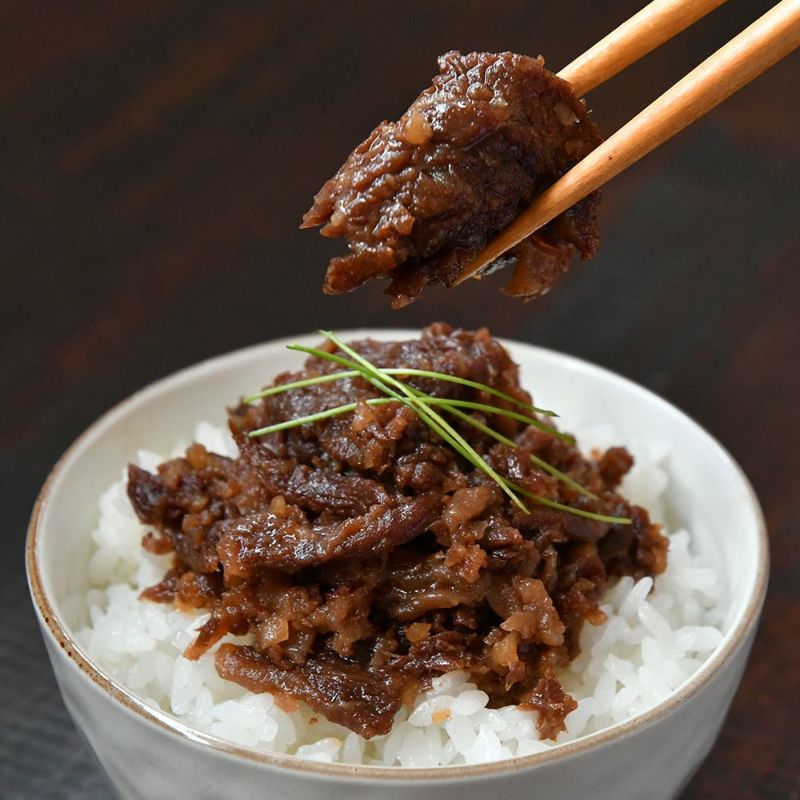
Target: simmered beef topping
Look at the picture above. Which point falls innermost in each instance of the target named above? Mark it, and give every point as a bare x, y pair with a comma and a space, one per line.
420, 197
364, 557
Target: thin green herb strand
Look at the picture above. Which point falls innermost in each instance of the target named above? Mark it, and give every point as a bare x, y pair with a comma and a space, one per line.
324, 354
287, 387
578, 512
503, 412
371, 375
298, 421
441, 426
421, 373
443, 376
540, 462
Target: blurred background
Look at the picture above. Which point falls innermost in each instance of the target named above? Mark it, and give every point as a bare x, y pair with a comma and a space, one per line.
156, 158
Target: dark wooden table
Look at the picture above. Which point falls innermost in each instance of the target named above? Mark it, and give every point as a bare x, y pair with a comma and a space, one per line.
155, 158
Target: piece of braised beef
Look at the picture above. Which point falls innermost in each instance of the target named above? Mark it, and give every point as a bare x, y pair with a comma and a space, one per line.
420, 197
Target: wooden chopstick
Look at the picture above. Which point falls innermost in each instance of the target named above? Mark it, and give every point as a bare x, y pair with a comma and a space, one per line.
646, 30
745, 57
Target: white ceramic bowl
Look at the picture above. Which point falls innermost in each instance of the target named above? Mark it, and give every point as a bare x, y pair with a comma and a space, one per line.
148, 754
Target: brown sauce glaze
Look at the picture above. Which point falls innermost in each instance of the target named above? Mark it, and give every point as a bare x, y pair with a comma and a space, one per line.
365, 557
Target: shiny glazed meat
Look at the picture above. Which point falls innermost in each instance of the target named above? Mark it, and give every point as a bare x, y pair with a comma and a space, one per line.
419, 198
364, 557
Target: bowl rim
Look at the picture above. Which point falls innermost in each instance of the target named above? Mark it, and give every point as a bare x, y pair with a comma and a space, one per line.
51, 623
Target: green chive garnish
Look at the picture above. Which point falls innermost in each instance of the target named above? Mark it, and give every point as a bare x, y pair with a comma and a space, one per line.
424, 406
417, 373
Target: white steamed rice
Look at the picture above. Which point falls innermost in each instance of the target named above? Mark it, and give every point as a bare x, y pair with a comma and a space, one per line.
655, 638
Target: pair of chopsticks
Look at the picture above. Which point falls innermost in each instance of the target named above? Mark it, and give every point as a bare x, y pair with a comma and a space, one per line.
753, 51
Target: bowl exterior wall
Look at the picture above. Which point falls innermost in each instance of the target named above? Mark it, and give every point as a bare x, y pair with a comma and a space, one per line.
145, 761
